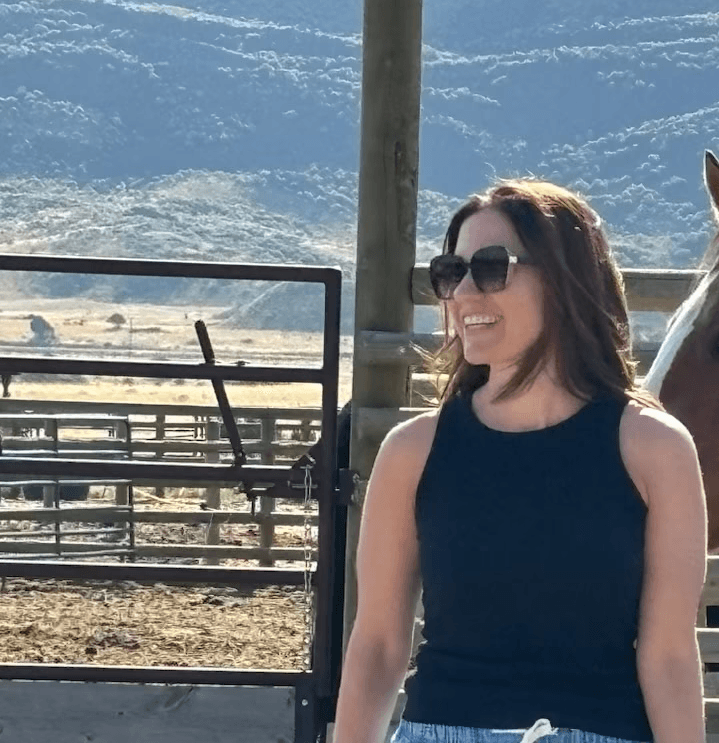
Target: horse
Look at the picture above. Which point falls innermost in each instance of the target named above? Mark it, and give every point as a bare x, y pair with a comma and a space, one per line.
685, 373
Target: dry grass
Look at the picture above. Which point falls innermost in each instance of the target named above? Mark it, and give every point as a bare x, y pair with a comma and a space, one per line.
154, 332
170, 393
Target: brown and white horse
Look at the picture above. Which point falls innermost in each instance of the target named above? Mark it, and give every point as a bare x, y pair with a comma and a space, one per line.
685, 373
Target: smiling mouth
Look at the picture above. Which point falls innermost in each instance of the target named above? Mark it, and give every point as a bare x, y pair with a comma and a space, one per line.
482, 321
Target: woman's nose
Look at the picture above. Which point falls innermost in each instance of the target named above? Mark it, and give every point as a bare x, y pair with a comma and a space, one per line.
466, 286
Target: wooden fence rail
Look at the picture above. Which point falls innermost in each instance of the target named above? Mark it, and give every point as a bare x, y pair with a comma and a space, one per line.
646, 289
212, 553
169, 448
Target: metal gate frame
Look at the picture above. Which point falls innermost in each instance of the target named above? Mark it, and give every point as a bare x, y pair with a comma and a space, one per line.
315, 691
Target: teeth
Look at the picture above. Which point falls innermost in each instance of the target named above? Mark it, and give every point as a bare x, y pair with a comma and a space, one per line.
480, 319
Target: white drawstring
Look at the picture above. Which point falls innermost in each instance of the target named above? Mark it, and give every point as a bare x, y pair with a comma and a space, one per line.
538, 730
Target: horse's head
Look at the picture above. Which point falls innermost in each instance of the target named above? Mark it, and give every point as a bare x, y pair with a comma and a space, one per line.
685, 373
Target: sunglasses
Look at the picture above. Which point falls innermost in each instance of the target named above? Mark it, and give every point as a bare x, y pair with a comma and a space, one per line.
490, 268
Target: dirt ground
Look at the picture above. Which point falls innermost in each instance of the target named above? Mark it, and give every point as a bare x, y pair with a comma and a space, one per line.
130, 624
127, 623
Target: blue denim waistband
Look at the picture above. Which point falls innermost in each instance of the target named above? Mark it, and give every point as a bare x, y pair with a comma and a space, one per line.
541, 732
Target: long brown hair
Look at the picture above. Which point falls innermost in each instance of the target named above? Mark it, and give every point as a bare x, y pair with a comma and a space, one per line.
585, 310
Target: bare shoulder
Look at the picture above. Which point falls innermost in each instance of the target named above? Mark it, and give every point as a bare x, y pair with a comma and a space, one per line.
411, 439
651, 428
654, 444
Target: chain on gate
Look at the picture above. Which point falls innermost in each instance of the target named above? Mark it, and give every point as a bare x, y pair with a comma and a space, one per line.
308, 608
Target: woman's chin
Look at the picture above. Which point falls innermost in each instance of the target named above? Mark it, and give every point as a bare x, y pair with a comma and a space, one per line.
477, 359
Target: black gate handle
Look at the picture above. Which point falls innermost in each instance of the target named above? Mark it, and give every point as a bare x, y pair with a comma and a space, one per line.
219, 386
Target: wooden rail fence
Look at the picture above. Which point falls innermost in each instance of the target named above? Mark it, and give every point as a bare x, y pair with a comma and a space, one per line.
175, 432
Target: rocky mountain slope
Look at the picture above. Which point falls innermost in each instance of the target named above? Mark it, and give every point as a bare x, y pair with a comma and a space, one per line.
216, 130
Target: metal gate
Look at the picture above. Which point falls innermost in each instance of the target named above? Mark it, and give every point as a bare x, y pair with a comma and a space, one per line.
316, 687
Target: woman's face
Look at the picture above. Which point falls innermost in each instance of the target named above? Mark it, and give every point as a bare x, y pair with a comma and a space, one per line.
495, 328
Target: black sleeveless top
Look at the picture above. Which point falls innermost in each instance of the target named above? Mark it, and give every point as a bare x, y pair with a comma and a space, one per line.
531, 552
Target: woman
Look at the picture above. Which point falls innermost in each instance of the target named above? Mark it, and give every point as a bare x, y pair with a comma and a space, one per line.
552, 512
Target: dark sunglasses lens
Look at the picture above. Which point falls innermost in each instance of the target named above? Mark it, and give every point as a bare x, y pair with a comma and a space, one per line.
445, 273
489, 268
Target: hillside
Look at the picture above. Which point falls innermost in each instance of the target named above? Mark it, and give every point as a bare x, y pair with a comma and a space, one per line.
229, 131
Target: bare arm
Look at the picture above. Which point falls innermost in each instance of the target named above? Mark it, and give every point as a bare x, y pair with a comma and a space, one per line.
389, 585
668, 662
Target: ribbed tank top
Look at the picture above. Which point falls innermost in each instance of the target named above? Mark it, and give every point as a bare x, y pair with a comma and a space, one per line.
531, 553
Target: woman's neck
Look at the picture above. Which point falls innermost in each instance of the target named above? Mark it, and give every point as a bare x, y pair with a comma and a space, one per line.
545, 403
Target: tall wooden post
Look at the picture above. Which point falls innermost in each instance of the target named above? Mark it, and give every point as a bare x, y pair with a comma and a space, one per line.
389, 156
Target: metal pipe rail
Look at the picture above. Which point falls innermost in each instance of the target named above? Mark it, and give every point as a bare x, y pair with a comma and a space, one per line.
187, 574
122, 514
44, 263
160, 370
289, 481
